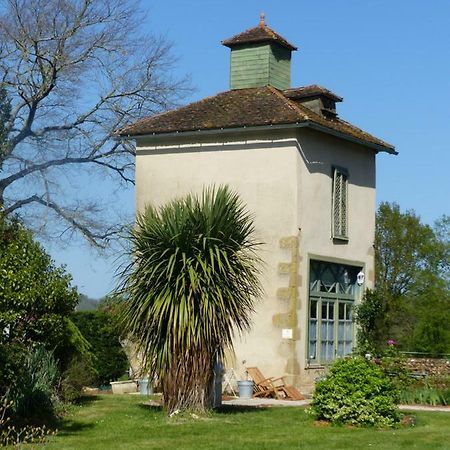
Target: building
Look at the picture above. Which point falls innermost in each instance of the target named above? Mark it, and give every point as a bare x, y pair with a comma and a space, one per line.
309, 178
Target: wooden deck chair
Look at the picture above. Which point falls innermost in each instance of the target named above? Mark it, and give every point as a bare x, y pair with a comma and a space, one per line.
268, 387
292, 393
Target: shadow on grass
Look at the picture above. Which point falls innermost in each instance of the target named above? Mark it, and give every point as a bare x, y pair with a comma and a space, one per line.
224, 409
86, 400
150, 408
238, 409
69, 427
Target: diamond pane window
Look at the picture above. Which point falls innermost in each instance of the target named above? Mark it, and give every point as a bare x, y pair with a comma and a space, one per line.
332, 292
340, 197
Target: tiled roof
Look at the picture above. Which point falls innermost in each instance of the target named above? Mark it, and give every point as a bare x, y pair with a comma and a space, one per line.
311, 91
260, 106
260, 33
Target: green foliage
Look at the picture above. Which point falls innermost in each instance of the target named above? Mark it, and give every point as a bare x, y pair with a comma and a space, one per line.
404, 247
100, 330
412, 280
34, 396
425, 395
356, 392
77, 361
431, 390
429, 306
369, 316
79, 374
395, 366
191, 285
35, 296
35, 301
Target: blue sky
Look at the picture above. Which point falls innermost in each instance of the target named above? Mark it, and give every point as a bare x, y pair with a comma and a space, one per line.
389, 60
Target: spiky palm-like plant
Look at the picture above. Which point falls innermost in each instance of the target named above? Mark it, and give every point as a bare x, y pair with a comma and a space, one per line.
192, 284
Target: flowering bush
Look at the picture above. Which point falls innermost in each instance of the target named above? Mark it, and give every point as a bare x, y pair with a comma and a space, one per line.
356, 392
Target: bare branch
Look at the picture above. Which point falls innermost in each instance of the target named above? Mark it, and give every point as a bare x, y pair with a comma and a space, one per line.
19, 204
74, 73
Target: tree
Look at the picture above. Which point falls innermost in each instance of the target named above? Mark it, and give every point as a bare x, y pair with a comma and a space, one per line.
191, 285
74, 72
412, 282
404, 247
35, 300
430, 309
101, 331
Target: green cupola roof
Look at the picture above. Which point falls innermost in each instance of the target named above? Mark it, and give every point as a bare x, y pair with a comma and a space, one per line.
260, 57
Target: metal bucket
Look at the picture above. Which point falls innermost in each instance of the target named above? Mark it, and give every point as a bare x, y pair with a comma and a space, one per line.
144, 387
245, 389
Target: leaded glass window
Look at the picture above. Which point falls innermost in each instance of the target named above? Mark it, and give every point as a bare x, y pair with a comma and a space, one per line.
340, 197
333, 290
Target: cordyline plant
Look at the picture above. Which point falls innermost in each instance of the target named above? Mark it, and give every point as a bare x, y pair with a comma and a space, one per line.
191, 286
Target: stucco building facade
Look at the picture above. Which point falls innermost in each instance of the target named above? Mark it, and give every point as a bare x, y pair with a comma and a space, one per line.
307, 176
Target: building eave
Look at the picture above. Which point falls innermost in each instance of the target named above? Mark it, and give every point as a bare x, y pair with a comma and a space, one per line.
366, 143
305, 124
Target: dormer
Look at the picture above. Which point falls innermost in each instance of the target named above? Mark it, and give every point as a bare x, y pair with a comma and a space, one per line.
315, 97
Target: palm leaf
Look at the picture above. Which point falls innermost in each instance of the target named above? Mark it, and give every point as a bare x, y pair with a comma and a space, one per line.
191, 286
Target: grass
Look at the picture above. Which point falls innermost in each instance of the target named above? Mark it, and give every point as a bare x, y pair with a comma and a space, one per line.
116, 422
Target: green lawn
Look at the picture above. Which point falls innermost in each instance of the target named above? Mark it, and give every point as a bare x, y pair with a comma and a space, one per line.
116, 422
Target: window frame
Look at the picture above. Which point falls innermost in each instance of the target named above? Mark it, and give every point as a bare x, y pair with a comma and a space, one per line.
334, 344
339, 204
331, 285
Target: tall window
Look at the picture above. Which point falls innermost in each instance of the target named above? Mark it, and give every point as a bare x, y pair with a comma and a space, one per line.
339, 204
332, 294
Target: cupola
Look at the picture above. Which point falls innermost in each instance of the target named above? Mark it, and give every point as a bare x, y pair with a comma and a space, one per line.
260, 57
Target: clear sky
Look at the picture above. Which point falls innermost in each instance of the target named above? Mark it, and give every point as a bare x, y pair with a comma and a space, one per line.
389, 60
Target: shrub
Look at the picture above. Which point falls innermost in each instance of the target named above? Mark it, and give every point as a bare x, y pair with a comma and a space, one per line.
35, 299
356, 392
100, 329
369, 318
35, 395
79, 374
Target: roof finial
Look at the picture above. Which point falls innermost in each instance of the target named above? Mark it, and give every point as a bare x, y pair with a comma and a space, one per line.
262, 19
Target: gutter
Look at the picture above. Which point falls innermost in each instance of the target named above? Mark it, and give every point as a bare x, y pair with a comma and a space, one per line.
377, 147
306, 124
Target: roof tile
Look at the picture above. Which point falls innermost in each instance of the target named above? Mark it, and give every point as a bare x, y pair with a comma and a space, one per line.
260, 33
260, 106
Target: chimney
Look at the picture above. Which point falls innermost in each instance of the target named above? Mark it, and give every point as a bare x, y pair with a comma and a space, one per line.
260, 57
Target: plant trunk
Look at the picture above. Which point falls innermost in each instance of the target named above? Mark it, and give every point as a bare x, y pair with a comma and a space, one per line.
188, 385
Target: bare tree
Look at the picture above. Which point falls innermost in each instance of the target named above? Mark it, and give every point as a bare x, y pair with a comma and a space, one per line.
74, 72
